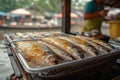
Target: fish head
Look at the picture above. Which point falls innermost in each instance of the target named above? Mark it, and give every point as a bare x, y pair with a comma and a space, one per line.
50, 58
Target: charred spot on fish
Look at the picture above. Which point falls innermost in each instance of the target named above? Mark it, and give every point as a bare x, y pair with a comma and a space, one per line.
78, 52
47, 52
81, 53
91, 48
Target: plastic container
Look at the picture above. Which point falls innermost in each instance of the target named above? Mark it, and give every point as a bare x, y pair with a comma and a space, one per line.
114, 28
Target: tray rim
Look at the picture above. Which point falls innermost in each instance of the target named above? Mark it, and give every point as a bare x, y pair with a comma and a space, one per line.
93, 59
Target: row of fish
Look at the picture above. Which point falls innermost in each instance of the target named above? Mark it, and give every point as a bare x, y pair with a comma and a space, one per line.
32, 35
58, 48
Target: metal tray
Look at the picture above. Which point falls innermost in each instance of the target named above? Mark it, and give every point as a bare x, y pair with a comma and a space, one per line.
62, 68
72, 65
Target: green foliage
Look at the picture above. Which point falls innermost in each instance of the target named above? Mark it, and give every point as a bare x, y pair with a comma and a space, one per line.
38, 5
47, 6
41, 6
8, 5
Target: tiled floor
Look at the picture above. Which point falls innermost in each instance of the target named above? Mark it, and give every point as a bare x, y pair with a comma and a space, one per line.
5, 65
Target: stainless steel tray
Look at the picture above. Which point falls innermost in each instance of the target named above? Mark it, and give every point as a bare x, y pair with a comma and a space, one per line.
72, 65
62, 68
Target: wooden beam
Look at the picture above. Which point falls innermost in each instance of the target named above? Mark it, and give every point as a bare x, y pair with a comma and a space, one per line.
66, 10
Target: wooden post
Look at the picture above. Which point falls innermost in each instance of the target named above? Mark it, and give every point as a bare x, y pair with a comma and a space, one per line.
66, 10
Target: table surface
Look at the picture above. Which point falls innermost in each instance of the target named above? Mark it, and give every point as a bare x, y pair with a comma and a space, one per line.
5, 64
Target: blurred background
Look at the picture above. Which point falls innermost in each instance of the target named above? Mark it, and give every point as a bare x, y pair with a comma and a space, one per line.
43, 15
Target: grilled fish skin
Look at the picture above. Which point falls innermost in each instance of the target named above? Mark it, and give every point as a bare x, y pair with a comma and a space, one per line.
100, 48
31, 53
49, 56
61, 54
82, 44
64, 45
100, 42
36, 35
37, 53
22, 35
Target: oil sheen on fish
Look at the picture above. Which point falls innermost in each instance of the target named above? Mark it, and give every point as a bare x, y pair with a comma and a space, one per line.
100, 42
64, 45
37, 53
60, 53
100, 48
82, 44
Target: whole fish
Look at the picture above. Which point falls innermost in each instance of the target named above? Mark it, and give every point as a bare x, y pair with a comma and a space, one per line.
100, 42
60, 53
82, 44
100, 48
65, 46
